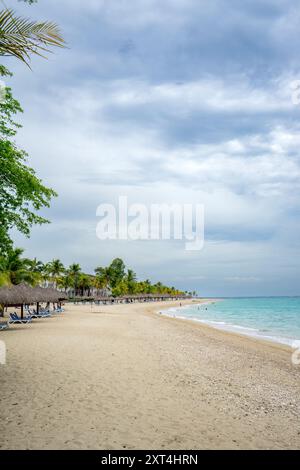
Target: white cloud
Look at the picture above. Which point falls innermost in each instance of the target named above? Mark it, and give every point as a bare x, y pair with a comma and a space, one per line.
172, 122
208, 94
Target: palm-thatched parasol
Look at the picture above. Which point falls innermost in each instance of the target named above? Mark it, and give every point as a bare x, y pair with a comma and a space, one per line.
23, 294
55, 295
47, 294
5, 295
17, 295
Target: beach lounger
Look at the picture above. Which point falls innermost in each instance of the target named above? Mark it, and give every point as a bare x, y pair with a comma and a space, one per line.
45, 313
58, 310
13, 318
3, 326
41, 314
44, 310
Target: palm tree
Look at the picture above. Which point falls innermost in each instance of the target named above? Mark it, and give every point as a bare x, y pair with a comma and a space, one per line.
147, 287
36, 266
74, 272
21, 37
102, 280
63, 282
158, 288
55, 268
14, 269
84, 284
131, 275
131, 281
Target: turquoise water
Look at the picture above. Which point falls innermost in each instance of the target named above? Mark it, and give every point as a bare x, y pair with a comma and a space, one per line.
272, 318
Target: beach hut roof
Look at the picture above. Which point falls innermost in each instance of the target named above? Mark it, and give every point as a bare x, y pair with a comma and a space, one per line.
24, 294
16, 295
5, 295
49, 294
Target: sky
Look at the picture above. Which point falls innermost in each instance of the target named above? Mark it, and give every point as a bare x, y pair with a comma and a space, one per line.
180, 101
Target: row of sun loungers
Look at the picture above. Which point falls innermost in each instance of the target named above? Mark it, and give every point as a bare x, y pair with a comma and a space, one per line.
13, 318
31, 314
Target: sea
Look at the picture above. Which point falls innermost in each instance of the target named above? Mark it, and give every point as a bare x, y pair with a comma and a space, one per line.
275, 319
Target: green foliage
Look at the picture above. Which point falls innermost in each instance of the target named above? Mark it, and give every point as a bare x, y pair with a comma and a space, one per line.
102, 279
124, 283
120, 289
36, 266
131, 281
111, 276
21, 191
55, 268
84, 284
74, 272
15, 269
116, 272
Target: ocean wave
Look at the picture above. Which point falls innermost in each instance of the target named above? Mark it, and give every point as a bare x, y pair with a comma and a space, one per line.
225, 326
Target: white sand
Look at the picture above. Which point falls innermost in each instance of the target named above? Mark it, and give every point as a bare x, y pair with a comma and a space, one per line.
113, 377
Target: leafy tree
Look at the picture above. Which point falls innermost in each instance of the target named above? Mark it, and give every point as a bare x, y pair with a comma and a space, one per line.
147, 287
84, 284
21, 191
102, 279
55, 268
74, 272
131, 281
159, 287
64, 282
14, 269
103, 276
116, 272
36, 266
120, 289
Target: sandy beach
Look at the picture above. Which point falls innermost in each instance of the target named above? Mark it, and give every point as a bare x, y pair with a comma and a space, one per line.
125, 377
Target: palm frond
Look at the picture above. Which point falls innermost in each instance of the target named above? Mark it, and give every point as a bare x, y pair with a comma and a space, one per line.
21, 37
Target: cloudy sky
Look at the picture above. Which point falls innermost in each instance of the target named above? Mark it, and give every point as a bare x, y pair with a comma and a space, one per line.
174, 101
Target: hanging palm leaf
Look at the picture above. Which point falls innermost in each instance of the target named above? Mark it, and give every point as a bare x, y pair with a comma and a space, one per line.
21, 37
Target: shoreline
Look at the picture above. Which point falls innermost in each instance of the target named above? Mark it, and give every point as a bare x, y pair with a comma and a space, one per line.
125, 377
230, 329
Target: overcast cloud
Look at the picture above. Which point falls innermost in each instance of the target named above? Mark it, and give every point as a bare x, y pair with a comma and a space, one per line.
174, 101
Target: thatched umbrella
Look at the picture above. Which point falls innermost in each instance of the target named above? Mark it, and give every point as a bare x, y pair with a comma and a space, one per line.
17, 295
55, 295
40, 296
23, 294
47, 294
5, 296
